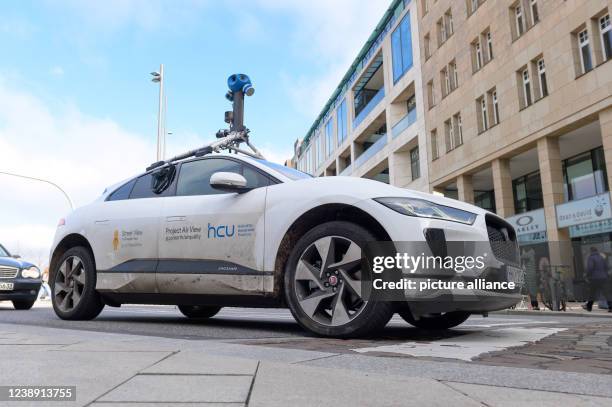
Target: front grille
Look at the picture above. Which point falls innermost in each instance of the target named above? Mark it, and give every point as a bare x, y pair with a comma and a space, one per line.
8, 272
502, 239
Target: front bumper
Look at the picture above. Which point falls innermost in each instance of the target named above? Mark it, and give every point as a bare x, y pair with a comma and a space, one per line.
23, 289
474, 301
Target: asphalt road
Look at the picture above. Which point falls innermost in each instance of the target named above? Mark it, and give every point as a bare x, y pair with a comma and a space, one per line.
245, 323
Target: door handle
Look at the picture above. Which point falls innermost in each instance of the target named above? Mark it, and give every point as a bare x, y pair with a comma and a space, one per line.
101, 222
175, 218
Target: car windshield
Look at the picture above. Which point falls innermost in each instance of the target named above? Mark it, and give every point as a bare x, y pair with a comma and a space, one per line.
4, 252
290, 173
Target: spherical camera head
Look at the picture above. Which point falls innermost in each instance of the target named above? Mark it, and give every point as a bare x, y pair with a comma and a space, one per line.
240, 82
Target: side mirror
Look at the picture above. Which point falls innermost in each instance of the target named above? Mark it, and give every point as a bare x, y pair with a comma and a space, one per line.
229, 182
16, 256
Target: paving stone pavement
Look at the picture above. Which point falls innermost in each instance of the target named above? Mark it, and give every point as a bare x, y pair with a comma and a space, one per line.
583, 348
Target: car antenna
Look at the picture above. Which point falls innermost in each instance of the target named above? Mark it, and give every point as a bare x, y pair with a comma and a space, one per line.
228, 139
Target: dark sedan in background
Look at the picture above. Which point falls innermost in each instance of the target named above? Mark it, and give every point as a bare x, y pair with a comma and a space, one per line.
19, 280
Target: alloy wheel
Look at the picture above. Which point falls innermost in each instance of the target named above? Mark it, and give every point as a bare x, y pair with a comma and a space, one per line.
69, 283
328, 281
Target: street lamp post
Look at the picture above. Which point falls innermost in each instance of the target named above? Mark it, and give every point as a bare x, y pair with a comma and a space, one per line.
45, 181
158, 77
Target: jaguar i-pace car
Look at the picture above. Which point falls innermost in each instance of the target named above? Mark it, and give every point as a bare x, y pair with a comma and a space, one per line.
231, 230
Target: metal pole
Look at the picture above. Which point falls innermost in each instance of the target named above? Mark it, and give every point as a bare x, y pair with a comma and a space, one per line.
165, 132
45, 181
160, 112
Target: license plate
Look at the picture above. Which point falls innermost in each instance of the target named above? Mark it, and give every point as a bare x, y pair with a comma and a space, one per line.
515, 275
6, 286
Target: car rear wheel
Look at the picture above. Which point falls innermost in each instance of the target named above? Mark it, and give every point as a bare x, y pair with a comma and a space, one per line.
74, 294
24, 304
199, 311
323, 278
436, 321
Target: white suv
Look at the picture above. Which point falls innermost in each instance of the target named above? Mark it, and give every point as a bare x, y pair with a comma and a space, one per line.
230, 230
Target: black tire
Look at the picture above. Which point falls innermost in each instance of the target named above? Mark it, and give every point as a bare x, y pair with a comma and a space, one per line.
90, 304
374, 315
24, 304
199, 311
436, 321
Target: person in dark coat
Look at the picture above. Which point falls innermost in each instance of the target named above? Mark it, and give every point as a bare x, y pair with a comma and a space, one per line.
597, 278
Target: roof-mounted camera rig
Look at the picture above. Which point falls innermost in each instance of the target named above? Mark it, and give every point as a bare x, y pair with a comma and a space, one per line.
228, 139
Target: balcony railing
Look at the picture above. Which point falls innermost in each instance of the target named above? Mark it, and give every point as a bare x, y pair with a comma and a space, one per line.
347, 171
403, 124
368, 108
374, 148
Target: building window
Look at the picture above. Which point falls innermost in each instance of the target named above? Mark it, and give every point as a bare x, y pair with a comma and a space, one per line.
535, 15
458, 133
585, 175
454, 76
449, 135
415, 168
542, 77
483, 122
585, 51
606, 36
401, 44
426, 41
495, 106
482, 50
444, 82
526, 88
308, 161
341, 123
329, 137
434, 145
431, 94
472, 6
489, 44
485, 200
441, 31
519, 20
448, 21
478, 55
321, 152
527, 191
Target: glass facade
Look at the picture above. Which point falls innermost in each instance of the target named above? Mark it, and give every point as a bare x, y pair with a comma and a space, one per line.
329, 137
584, 175
527, 191
485, 200
415, 167
341, 122
401, 44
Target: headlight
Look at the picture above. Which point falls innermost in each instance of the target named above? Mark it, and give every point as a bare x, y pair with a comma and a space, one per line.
32, 272
427, 209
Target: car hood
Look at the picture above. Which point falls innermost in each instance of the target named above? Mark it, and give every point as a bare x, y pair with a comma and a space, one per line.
11, 262
369, 189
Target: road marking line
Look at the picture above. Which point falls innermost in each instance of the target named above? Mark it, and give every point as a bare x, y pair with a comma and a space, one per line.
469, 346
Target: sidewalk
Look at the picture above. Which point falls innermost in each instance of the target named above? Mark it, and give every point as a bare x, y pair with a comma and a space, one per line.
128, 370
574, 309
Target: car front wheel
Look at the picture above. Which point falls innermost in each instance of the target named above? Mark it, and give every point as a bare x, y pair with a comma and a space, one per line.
74, 294
323, 278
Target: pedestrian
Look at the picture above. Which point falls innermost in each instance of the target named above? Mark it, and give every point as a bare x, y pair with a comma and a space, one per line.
597, 279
